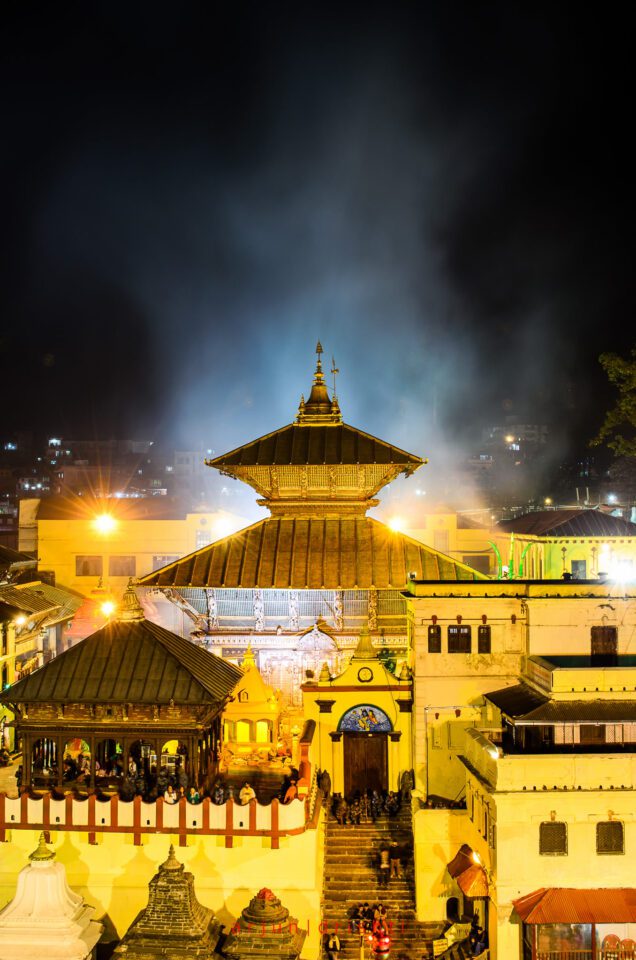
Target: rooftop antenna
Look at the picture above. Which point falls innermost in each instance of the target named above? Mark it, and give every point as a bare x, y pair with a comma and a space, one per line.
334, 370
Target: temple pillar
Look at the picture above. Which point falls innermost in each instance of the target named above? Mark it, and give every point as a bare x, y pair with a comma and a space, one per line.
337, 762
91, 744
394, 760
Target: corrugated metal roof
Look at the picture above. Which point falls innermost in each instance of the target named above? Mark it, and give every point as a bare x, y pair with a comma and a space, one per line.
471, 876
569, 523
526, 706
311, 553
135, 661
315, 444
67, 601
26, 599
572, 905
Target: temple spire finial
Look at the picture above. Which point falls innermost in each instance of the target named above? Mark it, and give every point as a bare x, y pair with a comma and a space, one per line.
319, 351
320, 408
131, 609
42, 852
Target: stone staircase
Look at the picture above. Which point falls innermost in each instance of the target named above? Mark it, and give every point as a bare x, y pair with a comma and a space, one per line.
351, 877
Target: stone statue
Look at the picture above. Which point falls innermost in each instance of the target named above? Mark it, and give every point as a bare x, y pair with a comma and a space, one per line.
293, 610
324, 783
372, 609
303, 483
407, 782
259, 611
338, 610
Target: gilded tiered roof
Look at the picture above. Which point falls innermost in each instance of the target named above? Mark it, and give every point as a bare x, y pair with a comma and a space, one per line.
317, 476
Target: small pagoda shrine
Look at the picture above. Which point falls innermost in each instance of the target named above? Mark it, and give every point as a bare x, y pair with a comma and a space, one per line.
132, 691
251, 719
174, 924
264, 929
45, 918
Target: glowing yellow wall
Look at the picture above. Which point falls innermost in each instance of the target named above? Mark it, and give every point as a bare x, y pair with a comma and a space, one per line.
113, 875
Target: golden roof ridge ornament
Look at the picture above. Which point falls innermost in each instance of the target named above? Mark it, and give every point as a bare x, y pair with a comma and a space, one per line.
131, 609
319, 408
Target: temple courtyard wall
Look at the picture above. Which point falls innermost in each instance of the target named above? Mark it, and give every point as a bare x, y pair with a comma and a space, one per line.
113, 873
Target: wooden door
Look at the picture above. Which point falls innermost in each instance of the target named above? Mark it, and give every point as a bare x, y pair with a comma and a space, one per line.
365, 762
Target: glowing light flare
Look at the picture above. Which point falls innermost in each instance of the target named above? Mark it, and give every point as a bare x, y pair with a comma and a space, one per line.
622, 570
108, 608
104, 523
20, 621
547, 501
396, 524
223, 526
509, 438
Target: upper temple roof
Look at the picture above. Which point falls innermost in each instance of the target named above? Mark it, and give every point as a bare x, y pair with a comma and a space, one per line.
318, 457
305, 445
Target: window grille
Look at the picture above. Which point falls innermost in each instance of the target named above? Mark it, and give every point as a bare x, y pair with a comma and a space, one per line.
483, 639
610, 837
434, 638
459, 639
553, 839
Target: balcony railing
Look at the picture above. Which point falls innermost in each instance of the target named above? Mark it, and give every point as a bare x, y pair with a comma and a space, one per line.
95, 816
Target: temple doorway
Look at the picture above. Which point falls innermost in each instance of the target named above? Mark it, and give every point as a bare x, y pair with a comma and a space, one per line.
365, 762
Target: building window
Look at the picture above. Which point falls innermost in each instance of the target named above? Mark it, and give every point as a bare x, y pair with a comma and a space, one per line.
610, 837
203, 538
459, 639
553, 839
122, 566
483, 639
604, 645
162, 560
88, 566
434, 639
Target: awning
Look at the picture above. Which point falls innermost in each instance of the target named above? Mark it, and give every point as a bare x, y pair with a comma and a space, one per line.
571, 905
525, 707
470, 875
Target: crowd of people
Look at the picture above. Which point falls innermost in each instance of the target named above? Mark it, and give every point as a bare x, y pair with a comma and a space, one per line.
365, 806
150, 782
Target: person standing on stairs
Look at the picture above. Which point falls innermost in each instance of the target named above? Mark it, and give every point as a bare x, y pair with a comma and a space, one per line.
394, 860
385, 865
333, 946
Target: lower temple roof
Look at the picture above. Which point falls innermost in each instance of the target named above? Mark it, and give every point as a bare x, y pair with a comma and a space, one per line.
311, 553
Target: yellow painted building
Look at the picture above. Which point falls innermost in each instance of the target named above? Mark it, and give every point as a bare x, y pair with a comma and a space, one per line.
363, 722
87, 542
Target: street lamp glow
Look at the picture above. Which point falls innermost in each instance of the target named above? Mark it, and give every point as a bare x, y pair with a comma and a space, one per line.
396, 524
104, 523
509, 438
20, 621
548, 501
108, 608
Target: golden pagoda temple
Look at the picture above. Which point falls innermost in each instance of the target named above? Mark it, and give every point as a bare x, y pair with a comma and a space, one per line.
318, 560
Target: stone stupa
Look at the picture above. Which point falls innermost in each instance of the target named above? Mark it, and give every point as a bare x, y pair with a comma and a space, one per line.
45, 918
174, 925
264, 929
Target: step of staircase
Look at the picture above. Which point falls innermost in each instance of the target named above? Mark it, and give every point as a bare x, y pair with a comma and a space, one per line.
351, 876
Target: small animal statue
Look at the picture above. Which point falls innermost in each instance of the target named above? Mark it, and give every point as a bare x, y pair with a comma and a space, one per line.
324, 783
407, 782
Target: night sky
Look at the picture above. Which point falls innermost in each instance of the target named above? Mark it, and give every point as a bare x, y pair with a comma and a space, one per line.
192, 195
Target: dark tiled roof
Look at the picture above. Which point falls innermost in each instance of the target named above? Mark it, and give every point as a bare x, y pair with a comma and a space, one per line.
569, 523
134, 661
8, 556
27, 599
525, 705
320, 444
311, 553
516, 701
